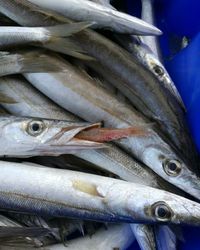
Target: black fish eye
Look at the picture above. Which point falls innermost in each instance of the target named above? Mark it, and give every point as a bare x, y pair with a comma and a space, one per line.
158, 70
35, 128
172, 167
161, 212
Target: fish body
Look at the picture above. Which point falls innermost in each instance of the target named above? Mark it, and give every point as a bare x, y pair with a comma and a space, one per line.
88, 101
30, 102
103, 17
91, 197
145, 236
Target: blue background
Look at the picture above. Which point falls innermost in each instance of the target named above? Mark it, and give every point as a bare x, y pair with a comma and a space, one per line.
179, 18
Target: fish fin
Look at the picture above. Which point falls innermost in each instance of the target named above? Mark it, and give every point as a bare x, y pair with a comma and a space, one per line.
37, 61
6, 99
29, 62
65, 46
110, 134
15, 232
65, 30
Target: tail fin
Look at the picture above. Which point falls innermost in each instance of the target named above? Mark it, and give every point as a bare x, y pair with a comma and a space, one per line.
6, 99
65, 30
33, 61
65, 46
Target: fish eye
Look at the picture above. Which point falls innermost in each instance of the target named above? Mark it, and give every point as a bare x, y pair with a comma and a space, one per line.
161, 212
158, 70
172, 167
35, 128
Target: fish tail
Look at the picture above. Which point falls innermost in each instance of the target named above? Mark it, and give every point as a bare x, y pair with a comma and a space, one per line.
65, 30
65, 46
37, 61
6, 99
109, 134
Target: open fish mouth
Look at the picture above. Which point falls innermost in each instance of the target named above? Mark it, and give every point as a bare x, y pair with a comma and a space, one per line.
92, 135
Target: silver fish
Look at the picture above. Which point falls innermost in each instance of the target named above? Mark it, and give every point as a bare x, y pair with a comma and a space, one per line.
155, 64
32, 136
78, 195
13, 36
89, 101
103, 2
27, 14
30, 102
145, 236
166, 239
103, 17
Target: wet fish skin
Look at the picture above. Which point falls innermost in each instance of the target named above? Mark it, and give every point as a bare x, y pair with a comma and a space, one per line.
151, 150
103, 17
31, 136
27, 14
166, 239
73, 194
13, 36
30, 102
153, 46
145, 236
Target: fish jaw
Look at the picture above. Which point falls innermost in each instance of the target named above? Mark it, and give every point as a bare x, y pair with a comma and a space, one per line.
162, 162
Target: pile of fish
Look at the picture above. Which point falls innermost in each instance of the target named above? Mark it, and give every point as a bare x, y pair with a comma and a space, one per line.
95, 150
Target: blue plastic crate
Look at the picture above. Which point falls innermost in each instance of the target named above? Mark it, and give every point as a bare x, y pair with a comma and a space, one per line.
178, 19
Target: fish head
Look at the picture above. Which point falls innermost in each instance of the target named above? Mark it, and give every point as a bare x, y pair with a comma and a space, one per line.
156, 67
43, 136
169, 165
159, 206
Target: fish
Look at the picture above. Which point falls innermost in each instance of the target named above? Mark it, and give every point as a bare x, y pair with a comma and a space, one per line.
88, 100
83, 10
27, 14
135, 81
155, 65
30, 102
145, 236
35, 136
103, 2
11, 230
23, 61
11, 36
166, 239
79, 195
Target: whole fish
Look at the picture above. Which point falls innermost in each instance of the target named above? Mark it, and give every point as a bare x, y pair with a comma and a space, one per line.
103, 17
13, 36
89, 101
35, 136
72, 194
